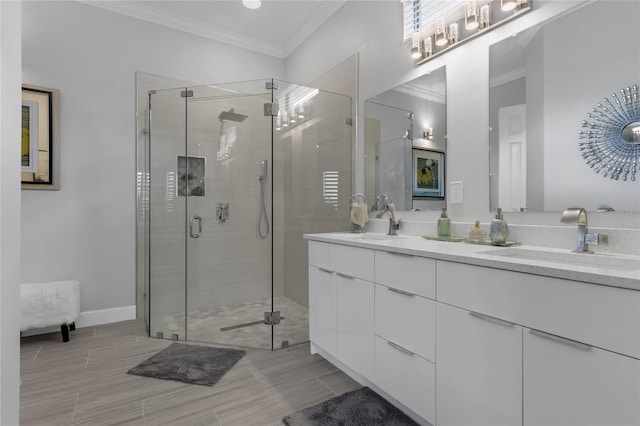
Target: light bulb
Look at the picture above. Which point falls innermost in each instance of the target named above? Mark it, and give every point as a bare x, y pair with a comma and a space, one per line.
508, 5
471, 15
252, 4
441, 33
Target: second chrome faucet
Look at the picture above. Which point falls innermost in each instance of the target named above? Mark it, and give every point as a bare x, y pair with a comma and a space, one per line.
579, 215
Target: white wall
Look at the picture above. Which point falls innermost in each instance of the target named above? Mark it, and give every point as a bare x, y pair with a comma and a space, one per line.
385, 63
10, 98
86, 230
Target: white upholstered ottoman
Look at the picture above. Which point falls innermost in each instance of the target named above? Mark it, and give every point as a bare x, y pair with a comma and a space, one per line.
48, 304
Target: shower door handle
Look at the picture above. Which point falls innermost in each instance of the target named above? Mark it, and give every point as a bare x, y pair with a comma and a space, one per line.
191, 220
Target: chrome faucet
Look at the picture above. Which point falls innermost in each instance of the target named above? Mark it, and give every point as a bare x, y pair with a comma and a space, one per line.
579, 215
385, 205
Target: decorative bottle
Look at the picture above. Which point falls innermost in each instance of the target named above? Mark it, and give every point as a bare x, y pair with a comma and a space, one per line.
476, 233
499, 231
444, 225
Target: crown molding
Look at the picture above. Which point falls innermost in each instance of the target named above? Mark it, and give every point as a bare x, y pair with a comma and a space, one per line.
312, 23
191, 26
422, 93
508, 76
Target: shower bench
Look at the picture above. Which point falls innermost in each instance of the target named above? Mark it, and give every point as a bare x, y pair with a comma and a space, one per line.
50, 304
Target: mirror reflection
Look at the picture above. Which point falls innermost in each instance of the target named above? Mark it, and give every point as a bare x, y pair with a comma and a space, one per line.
543, 81
631, 133
405, 144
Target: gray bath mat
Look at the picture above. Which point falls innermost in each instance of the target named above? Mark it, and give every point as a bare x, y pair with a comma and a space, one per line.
200, 365
361, 407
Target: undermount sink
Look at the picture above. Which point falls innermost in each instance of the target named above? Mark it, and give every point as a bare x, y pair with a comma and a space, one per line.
595, 260
372, 236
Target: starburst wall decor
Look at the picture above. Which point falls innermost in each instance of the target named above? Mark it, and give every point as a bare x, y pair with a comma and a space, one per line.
611, 144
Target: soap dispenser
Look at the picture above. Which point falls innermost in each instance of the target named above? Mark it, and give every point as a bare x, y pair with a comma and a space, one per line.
499, 231
444, 225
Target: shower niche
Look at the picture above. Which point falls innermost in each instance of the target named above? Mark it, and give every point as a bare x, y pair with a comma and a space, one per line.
230, 176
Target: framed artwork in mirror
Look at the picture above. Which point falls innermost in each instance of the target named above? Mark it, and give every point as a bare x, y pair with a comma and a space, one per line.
428, 173
40, 131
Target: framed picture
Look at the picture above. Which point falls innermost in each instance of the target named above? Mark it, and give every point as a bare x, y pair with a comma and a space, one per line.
191, 176
40, 131
428, 173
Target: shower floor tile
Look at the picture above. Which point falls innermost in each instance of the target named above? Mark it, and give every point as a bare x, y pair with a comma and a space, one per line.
205, 325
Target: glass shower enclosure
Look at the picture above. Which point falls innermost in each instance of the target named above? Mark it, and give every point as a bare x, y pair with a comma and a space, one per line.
234, 175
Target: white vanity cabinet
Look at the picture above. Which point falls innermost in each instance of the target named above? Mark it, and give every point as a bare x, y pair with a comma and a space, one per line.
572, 384
341, 303
460, 344
479, 371
405, 329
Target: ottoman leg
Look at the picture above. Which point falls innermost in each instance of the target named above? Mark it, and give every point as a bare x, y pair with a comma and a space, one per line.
72, 326
64, 328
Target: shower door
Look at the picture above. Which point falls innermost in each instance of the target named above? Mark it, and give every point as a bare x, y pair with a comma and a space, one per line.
210, 263
229, 240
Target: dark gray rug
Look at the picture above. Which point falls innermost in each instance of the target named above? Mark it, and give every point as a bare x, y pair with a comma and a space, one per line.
200, 365
362, 407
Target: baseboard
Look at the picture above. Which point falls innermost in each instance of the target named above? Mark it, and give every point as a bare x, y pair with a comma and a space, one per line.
106, 316
91, 318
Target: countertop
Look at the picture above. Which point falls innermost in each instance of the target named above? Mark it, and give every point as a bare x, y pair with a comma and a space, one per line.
624, 271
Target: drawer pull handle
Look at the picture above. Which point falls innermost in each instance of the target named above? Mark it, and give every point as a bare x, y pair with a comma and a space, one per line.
401, 349
325, 270
395, 290
491, 319
400, 254
560, 340
345, 276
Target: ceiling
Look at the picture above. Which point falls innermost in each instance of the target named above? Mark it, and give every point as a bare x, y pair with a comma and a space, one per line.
275, 29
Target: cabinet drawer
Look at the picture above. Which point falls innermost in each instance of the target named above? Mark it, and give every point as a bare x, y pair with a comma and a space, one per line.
414, 274
566, 384
407, 320
351, 261
408, 378
319, 254
602, 316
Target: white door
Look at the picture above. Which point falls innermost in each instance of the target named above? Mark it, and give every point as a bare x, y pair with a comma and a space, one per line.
512, 158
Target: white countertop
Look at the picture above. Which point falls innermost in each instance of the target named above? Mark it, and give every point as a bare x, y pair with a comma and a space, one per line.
613, 270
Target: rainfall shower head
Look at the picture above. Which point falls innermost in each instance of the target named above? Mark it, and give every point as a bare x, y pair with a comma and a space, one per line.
231, 116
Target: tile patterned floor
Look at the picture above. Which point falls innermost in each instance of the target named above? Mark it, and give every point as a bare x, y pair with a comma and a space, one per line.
84, 382
204, 325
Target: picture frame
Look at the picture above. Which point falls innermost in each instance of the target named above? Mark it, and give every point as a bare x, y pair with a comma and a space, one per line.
40, 138
428, 173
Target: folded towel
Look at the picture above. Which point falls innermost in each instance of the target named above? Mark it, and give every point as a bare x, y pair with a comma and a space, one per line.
359, 214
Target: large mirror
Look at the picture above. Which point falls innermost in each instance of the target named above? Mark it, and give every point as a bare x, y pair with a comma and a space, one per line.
405, 144
543, 83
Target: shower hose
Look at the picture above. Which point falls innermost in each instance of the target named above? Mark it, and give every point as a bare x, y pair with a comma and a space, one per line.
262, 216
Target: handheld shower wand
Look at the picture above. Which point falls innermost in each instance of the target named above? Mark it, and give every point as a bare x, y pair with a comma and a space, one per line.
262, 215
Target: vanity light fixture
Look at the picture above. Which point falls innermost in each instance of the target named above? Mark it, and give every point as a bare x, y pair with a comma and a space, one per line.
415, 46
441, 33
471, 21
252, 4
508, 5
428, 134
453, 33
485, 16
427, 47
